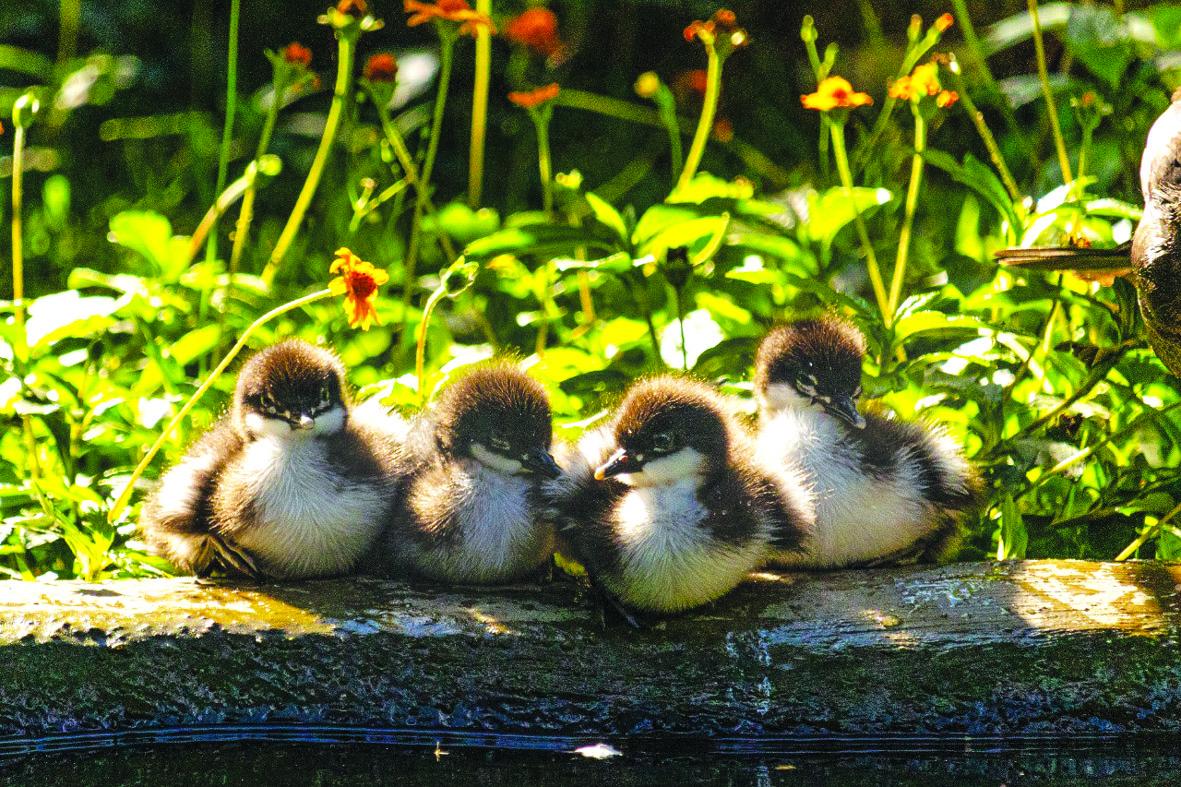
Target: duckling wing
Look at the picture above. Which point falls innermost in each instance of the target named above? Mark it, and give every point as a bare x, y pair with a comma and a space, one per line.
176, 520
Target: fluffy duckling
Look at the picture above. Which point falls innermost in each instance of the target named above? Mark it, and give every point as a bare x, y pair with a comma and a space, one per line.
474, 464
664, 507
285, 486
884, 489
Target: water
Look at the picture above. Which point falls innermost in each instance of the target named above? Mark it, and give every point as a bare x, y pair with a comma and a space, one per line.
306, 755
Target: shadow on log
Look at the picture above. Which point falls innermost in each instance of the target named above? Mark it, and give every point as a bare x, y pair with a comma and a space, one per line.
1024, 648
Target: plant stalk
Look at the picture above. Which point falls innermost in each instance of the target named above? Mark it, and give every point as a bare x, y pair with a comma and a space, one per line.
227, 129
347, 47
912, 202
705, 124
871, 258
1044, 77
483, 65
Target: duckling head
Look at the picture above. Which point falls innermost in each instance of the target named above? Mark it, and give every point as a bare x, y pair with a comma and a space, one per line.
668, 430
500, 417
812, 363
292, 390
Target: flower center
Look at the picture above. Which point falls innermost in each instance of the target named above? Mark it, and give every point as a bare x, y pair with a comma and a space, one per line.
362, 284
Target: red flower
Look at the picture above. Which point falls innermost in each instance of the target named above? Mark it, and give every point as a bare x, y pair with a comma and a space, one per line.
358, 282
536, 28
528, 99
297, 54
382, 67
448, 11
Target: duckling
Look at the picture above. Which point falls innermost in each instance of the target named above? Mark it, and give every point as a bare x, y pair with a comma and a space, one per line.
474, 465
884, 489
284, 486
664, 507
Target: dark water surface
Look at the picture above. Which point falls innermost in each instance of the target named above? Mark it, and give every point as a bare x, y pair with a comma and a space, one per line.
335, 756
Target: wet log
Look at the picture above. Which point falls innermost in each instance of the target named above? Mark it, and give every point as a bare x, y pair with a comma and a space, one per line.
1015, 648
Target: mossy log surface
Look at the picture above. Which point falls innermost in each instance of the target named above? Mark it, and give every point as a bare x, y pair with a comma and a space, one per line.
1016, 648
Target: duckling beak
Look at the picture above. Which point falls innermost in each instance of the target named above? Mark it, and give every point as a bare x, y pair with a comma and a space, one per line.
541, 462
620, 462
846, 410
304, 423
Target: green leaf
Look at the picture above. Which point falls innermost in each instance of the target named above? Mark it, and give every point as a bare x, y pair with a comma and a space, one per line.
831, 211
1099, 39
606, 215
705, 186
25, 61
537, 239
1017, 28
194, 344
150, 235
1013, 536
979, 177
68, 314
929, 321
462, 223
619, 262
701, 236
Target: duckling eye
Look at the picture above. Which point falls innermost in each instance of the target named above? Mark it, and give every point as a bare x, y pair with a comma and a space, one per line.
268, 402
499, 444
663, 442
324, 396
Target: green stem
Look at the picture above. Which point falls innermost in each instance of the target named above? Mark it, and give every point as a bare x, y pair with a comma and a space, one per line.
340, 95
446, 56
67, 36
406, 161
18, 258
994, 151
871, 259
420, 350
705, 124
912, 202
667, 109
121, 503
1044, 76
681, 325
981, 62
225, 200
544, 163
912, 57
246, 212
227, 129
475, 180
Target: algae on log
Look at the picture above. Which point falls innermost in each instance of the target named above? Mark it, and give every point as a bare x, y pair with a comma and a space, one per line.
1016, 648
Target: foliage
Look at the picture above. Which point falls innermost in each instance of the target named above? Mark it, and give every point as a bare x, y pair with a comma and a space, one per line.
1045, 379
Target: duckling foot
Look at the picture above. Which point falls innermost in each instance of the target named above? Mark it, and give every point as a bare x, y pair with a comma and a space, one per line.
235, 561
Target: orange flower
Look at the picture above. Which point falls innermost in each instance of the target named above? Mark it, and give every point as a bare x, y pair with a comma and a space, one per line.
358, 282
697, 80
357, 8
528, 99
382, 67
944, 22
922, 83
448, 11
536, 28
297, 54
722, 27
835, 93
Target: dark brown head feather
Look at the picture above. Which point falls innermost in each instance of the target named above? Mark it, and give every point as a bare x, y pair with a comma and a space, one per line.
493, 398
293, 373
829, 348
693, 411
